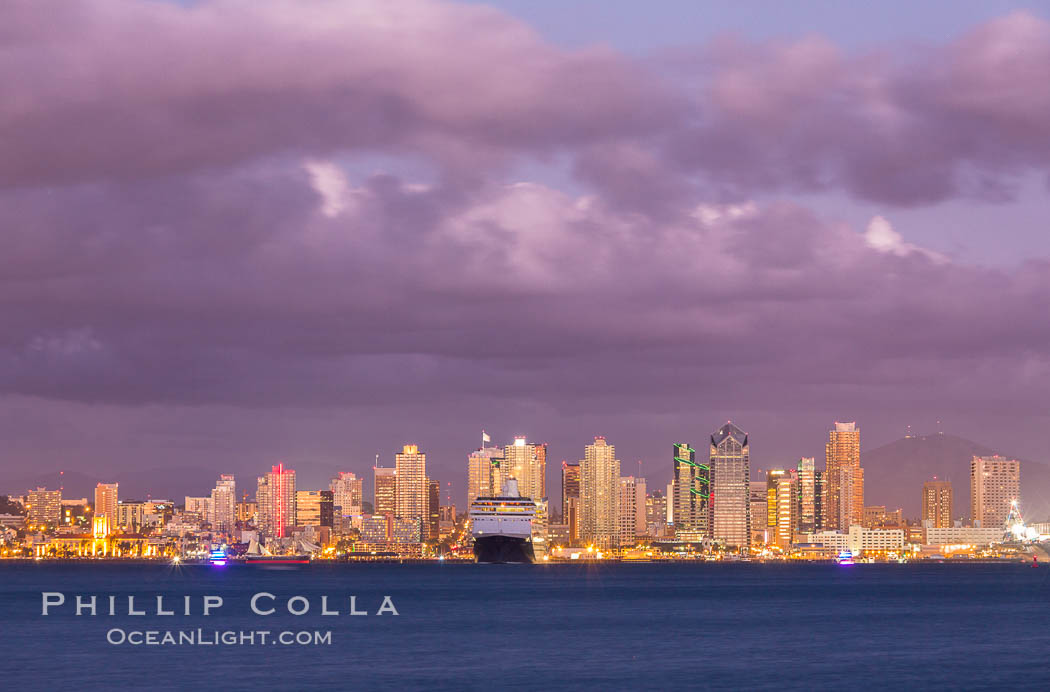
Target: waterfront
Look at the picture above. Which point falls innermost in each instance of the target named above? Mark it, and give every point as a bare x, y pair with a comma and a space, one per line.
606, 626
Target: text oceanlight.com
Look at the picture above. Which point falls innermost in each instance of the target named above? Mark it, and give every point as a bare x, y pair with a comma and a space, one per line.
202, 637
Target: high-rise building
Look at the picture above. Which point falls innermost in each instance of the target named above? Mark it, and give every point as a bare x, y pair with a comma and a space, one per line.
528, 464
347, 494
995, 483
691, 492
411, 480
433, 510
730, 500
44, 507
224, 504
570, 486
937, 504
314, 508
820, 500
483, 473
385, 491
275, 497
806, 473
782, 506
106, 502
600, 495
878, 517
632, 509
656, 514
844, 477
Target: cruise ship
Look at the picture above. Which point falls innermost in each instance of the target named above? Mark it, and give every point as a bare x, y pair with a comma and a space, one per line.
502, 526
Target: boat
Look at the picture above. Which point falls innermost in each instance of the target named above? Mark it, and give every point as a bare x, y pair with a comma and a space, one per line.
502, 526
845, 558
257, 554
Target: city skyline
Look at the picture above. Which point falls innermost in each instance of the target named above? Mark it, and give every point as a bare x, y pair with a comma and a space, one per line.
582, 230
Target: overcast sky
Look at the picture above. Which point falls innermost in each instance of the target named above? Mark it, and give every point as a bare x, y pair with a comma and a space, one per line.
237, 232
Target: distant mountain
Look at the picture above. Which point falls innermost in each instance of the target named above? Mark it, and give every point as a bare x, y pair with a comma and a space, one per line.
894, 474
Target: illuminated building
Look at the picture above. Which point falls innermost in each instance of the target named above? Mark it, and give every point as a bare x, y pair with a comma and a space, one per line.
106, 502
656, 514
782, 507
347, 495
570, 500
313, 508
246, 511
379, 529
760, 532
275, 499
385, 490
527, 463
600, 495
859, 539
844, 477
995, 482
130, 515
200, 506
878, 517
223, 516
820, 500
483, 473
44, 507
411, 480
937, 504
730, 502
808, 499
690, 494
632, 509
963, 535
433, 510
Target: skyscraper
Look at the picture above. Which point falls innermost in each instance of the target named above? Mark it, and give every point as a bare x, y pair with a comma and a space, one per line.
385, 491
433, 523
844, 477
995, 482
656, 514
483, 473
731, 487
411, 481
690, 493
600, 494
106, 502
570, 486
347, 494
632, 509
275, 496
224, 504
528, 464
937, 504
782, 506
808, 502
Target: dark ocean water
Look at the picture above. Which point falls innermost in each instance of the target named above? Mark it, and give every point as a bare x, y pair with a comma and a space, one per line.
491, 627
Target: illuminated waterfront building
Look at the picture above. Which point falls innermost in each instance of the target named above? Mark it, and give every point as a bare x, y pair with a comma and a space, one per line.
483, 473
106, 501
379, 529
600, 495
995, 483
411, 480
527, 463
632, 509
246, 512
844, 477
859, 539
963, 535
760, 532
570, 500
385, 491
347, 494
937, 504
782, 507
44, 507
820, 500
130, 515
730, 463
224, 504
690, 492
314, 508
275, 497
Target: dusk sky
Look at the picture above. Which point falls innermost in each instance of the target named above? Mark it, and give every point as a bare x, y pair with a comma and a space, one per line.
237, 232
